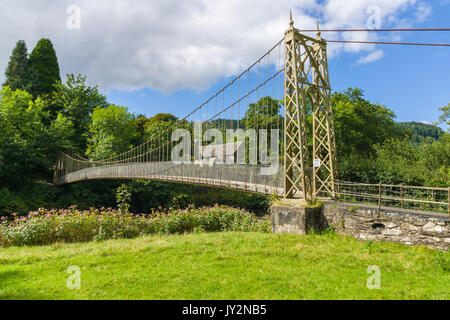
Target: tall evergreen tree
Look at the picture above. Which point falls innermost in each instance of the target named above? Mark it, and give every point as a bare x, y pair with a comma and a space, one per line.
17, 70
44, 68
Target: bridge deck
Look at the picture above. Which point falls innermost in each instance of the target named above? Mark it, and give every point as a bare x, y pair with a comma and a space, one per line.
250, 178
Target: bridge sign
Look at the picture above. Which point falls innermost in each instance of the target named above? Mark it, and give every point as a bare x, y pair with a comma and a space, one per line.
316, 163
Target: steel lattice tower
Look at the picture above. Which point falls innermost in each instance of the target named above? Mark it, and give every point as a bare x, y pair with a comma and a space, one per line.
307, 90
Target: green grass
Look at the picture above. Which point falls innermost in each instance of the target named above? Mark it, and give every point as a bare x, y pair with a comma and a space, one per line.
225, 266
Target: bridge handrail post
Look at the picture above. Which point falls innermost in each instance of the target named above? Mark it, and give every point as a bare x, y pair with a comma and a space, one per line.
401, 196
448, 201
379, 195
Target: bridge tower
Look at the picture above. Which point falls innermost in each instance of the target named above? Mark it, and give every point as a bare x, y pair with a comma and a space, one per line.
307, 92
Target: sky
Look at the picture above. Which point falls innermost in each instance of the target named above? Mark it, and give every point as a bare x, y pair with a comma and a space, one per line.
170, 56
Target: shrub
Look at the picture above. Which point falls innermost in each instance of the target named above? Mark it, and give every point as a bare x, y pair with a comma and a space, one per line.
123, 197
181, 201
73, 225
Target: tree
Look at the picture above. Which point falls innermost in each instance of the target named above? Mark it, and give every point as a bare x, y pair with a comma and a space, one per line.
401, 161
263, 114
435, 160
396, 162
61, 133
44, 68
76, 101
111, 132
159, 133
163, 117
419, 131
359, 126
17, 70
143, 123
445, 116
20, 122
28, 147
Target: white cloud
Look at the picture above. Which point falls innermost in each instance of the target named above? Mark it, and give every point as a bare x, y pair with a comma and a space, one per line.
423, 12
371, 57
177, 44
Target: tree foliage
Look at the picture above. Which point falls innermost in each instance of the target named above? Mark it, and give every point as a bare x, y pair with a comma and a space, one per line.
419, 131
146, 125
264, 114
405, 162
44, 68
359, 126
76, 101
445, 116
165, 117
20, 120
28, 147
111, 132
17, 72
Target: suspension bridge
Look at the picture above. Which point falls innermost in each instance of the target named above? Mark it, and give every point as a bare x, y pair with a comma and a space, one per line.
251, 135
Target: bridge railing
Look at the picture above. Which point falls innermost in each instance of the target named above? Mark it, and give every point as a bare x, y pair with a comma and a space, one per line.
245, 177
428, 199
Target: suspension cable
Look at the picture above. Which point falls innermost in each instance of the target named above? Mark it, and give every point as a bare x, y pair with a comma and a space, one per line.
377, 30
398, 43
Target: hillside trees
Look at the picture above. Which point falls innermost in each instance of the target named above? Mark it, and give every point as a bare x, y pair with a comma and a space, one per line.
419, 131
405, 162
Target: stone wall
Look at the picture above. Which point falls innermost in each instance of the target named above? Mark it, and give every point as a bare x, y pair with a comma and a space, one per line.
366, 222
369, 223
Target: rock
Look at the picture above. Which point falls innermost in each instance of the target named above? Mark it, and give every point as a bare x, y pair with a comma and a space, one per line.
390, 225
431, 227
392, 232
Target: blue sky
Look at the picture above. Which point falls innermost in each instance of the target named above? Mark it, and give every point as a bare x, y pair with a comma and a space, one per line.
412, 81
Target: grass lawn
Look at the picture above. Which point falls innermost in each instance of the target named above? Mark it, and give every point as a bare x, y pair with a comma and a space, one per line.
225, 266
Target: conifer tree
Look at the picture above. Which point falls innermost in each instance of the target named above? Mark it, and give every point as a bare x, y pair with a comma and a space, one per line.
44, 68
16, 73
